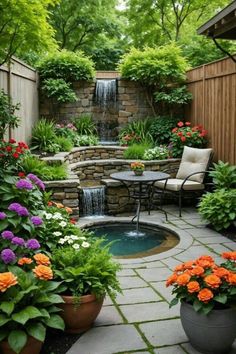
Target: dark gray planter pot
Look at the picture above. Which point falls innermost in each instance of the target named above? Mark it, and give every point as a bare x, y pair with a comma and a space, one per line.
211, 334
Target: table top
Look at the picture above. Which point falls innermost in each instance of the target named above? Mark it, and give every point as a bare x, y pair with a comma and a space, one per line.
147, 176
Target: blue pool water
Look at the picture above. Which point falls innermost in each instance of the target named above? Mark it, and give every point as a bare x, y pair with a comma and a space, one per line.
127, 242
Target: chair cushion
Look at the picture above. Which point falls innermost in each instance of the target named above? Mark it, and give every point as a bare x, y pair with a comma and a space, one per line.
174, 184
194, 160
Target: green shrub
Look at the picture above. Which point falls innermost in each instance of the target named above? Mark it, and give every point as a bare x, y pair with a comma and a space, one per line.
157, 153
137, 131
154, 66
32, 164
173, 96
59, 89
64, 143
219, 208
43, 136
66, 65
86, 140
136, 151
7, 117
224, 175
85, 125
161, 128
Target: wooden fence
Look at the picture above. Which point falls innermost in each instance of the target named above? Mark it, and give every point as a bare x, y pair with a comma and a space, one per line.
20, 81
213, 87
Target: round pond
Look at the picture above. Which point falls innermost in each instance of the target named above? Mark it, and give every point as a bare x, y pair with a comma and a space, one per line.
127, 243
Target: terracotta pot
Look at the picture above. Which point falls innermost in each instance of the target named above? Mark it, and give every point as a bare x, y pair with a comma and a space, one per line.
210, 334
33, 346
80, 317
138, 172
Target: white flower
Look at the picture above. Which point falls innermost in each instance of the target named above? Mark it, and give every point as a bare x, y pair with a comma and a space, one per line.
85, 244
76, 246
62, 223
57, 216
70, 242
74, 237
57, 233
61, 241
66, 238
48, 216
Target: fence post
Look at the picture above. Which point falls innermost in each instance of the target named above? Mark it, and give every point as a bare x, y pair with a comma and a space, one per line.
203, 93
9, 91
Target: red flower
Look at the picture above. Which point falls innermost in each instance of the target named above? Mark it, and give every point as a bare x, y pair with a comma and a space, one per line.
72, 221
189, 134
183, 139
180, 134
21, 174
15, 155
174, 130
180, 124
9, 148
12, 141
187, 124
18, 150
50, 203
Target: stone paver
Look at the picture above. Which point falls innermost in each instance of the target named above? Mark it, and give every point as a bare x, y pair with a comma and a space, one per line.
107, 340
143, 322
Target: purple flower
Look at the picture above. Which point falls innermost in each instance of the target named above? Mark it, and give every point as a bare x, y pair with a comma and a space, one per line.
36, 181
8, 235
36, 220
2, 215
32, 244
23, 212
18, 241
8, 256
24, 184
14, 207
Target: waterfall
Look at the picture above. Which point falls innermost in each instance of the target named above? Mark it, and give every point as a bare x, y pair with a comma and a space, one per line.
105, 97
93, 201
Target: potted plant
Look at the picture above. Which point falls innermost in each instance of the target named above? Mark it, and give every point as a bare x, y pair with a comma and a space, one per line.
88, 273
207, 292
138, 168
27, 299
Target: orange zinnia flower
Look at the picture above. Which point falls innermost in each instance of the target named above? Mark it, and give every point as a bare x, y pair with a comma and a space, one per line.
7, 280
69, 210
59, 205
205, 261
229, 255
188, 265
205, 295
213, 281
24, 260
198, 271
179, 268
41, 259
231, 278
43, 272
221, 272
183, 279
193, 287
172, 279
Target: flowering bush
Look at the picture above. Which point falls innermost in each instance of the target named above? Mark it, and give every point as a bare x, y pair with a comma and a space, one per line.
183, 135
86, 267
68, 131
129, 139
205, 284
137, 166
157, 153
11, 154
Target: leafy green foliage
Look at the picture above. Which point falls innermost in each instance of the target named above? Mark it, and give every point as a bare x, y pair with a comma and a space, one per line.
154, 66
66, 65
137, 131
87, 270
85, 125
219, 208
157, 153
7, 117
32, 164
136, 151
43, 136
224, 175
59, 89
174, 96
63, 143
86, 140
11, 155
24, 26
161, 129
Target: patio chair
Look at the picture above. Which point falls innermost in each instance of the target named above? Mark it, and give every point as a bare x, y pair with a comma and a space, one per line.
191, 174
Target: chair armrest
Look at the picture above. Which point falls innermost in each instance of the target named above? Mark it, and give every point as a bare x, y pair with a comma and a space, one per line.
192, 174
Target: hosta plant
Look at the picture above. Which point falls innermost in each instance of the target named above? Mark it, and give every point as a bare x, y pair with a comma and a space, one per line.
157, 153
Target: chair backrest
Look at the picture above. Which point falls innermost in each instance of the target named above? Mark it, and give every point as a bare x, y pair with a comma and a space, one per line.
194, 160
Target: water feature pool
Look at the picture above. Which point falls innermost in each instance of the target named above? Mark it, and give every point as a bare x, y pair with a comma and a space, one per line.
127, 243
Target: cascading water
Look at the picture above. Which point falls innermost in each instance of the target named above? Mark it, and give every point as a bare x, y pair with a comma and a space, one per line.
93, 201
105, 97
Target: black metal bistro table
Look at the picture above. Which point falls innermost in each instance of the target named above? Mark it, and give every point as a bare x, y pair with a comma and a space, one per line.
145, 184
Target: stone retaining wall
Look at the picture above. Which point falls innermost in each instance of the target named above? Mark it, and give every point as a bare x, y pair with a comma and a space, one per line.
87, 153
67, 193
